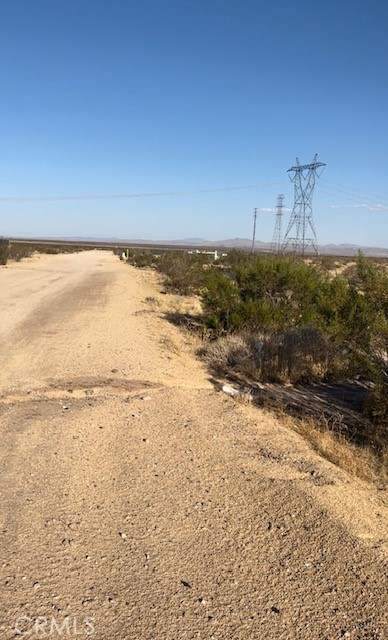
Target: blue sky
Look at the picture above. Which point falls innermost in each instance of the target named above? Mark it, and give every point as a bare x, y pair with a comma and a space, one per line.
120, 97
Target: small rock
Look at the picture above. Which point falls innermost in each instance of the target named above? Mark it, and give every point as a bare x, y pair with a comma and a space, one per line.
123, 535
114, 370
186, 584
275, 610
230, 391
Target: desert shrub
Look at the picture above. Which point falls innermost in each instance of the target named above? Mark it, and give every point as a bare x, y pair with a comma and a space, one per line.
298, 356
376, 403
234, 352
221, 303
141, 258
372, 278
277, 295
370, 284
52, 250
19, 251
236, 260
4, 250
185, 273
269, 294
328, 263
316, 324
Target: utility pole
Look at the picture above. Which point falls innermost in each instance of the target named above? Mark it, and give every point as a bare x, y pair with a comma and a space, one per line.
276, 244
301, 220
254, 230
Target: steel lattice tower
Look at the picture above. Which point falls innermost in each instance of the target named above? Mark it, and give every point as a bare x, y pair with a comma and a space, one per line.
276, 244
301, 221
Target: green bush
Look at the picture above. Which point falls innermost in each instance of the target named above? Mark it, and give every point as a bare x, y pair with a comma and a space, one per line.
376, 405
185, 273
278, 295
222, 303
4, 250
141, 258
19, 251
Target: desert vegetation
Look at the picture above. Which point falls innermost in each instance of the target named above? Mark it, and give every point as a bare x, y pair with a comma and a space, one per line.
184, 273
4, 248
17, 250
284, 320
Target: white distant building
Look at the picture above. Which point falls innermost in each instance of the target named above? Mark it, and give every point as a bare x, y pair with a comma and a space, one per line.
208, 253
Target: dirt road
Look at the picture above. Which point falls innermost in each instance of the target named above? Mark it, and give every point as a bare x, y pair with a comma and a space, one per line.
138, 502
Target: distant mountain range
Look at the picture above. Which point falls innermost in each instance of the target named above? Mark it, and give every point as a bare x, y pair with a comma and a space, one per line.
237, 243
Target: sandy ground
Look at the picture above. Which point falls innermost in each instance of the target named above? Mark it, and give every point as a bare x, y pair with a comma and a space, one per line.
140, 503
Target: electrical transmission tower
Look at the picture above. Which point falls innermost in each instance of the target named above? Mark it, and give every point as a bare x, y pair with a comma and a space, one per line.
276, 244
301, 222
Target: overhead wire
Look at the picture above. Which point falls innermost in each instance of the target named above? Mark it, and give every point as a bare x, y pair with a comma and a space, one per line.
353, 192
343, 186
338, 195
326, 186
123, 196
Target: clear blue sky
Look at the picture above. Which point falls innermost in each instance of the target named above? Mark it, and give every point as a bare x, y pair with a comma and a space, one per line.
121, 97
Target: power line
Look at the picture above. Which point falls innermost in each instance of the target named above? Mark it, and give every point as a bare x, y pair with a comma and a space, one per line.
355, 197
339, 195
356, 201
353, 191
124, 196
